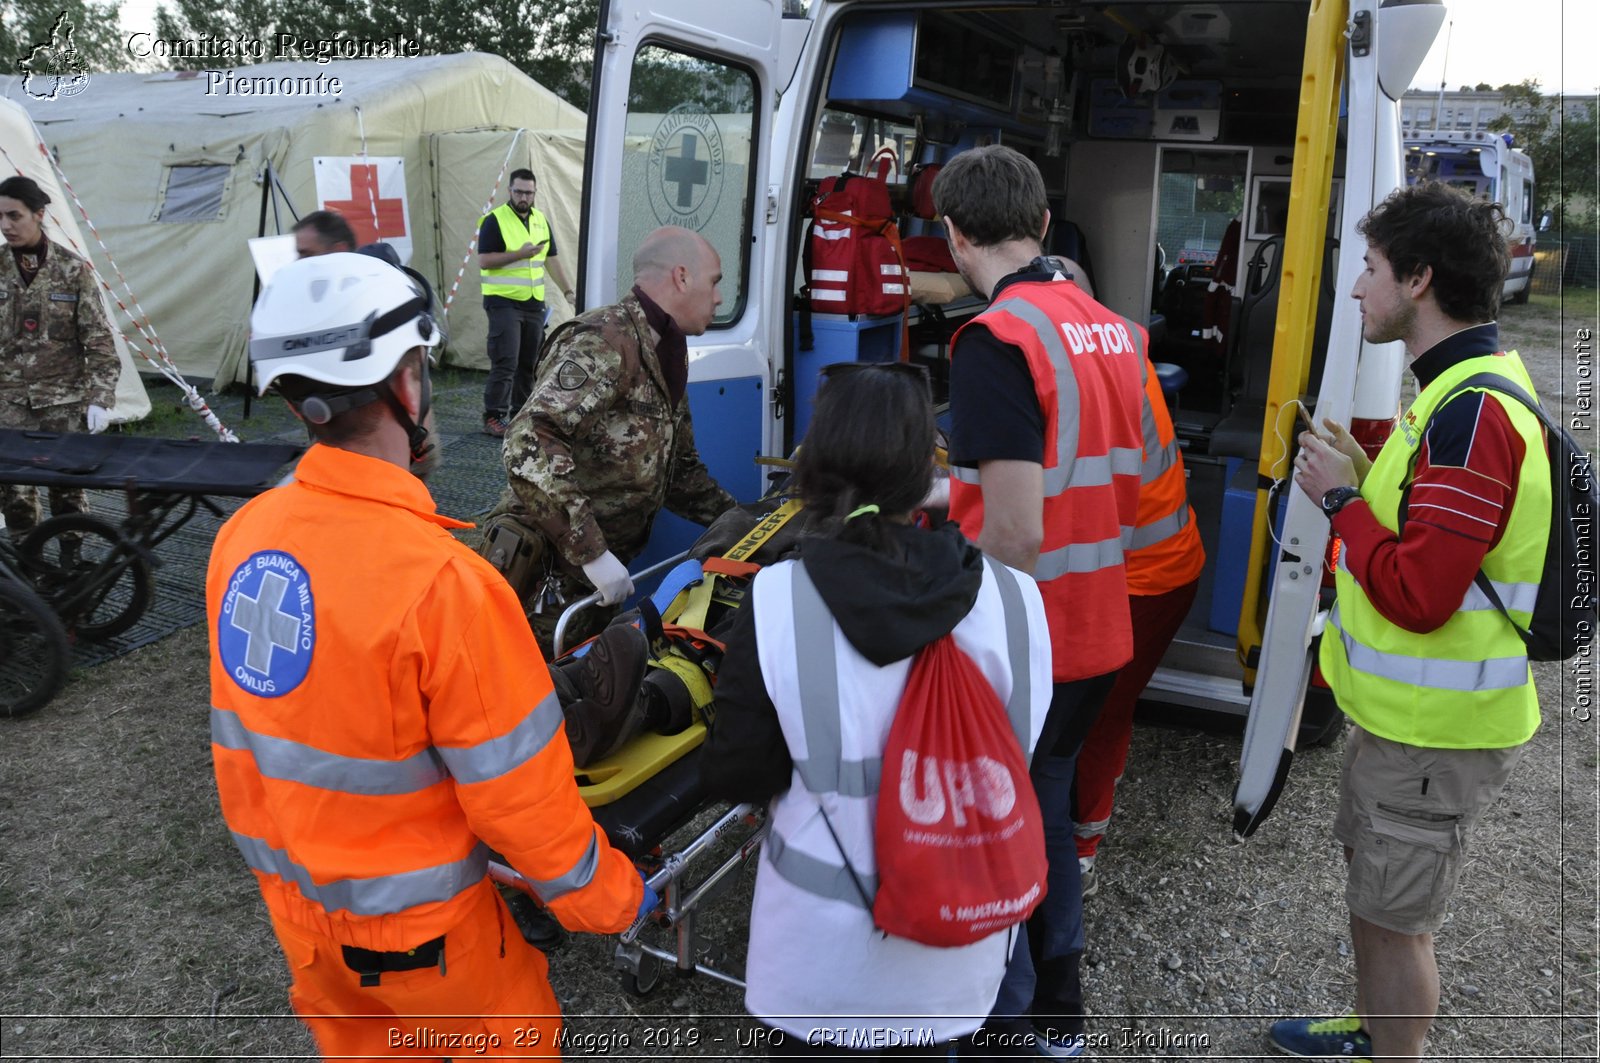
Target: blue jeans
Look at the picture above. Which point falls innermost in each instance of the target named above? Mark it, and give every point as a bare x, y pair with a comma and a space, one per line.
1042, 980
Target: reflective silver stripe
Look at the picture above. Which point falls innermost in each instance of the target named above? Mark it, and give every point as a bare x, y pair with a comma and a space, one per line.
817, 877
1100, 470
825, 769
580, 876
965, 475
1079, 558
496, 756
1093, 829
519, 279
1518, 597
280, 758
819, 685
1495, 673
1058, 477
1158, 457
1137, 335
1020, 705
380, 895
1160, 530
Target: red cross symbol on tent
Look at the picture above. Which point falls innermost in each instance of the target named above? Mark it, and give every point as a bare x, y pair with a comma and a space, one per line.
359, 208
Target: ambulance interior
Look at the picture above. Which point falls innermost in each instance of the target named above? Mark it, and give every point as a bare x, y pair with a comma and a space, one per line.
1164, 133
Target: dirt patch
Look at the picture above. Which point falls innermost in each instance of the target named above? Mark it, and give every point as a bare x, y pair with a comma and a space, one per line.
131, 926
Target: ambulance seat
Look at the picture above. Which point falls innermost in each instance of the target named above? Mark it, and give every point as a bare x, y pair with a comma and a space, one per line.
1249, 363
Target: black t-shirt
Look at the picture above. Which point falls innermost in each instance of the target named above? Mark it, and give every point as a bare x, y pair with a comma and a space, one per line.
490, 240
994, 411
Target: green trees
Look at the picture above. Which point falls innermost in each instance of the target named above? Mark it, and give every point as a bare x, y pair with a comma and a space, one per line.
1562, 146
553, 43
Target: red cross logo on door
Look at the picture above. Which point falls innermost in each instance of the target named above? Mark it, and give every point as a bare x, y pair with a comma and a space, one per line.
364, 200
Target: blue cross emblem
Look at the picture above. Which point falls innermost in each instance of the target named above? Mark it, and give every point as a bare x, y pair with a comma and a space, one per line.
267, 627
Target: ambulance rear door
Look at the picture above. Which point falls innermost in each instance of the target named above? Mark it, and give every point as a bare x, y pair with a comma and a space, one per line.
680, 133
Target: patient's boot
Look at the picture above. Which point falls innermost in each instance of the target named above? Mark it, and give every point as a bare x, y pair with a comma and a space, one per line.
601, 693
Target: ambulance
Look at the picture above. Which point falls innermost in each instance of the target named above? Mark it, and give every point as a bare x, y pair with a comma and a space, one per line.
1206, 165
1489, 166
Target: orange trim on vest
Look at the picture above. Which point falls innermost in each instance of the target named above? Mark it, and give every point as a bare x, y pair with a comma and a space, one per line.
1092, 447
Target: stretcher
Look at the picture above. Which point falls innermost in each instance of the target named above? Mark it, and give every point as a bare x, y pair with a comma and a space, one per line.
95, 576
650, 793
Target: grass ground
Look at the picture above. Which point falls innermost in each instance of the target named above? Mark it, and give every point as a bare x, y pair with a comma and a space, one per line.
130, 928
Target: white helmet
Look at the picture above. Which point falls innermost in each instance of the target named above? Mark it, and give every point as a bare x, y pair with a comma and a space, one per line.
343, 319
1143, 68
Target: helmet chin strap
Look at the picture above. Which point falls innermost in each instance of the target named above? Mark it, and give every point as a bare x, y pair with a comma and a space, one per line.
416, 434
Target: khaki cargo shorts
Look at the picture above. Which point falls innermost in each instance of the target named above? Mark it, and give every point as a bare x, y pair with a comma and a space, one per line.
1405, 813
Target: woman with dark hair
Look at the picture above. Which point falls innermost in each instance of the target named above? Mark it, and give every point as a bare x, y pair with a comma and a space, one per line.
883, 587
58, 365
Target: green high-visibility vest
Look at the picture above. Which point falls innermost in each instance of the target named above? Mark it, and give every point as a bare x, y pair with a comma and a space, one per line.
1465, 685
523, 279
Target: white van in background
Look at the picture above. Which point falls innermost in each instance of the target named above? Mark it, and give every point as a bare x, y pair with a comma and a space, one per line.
1490, 167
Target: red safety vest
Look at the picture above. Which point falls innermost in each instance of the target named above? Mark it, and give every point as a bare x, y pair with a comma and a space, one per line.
1165, 553
1086, 363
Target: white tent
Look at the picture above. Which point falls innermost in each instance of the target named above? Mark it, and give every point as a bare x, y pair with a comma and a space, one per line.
19, 153
173, 169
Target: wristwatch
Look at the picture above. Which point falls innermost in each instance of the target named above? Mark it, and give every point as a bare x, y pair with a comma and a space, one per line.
1335, 498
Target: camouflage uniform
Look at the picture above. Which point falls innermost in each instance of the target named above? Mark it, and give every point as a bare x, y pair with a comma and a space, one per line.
57, 358
597, 451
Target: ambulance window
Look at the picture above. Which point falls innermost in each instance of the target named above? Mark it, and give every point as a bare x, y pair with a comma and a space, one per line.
687, 162
193, 193
1527, 202
855, 143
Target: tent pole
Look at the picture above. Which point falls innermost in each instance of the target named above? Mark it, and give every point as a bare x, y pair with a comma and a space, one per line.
255, 289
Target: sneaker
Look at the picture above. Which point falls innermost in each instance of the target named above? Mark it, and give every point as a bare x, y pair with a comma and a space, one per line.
1059, 1045
1341, 1038
1086, 876
493, 426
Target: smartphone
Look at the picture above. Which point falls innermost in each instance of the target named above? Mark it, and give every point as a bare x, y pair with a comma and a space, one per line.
1305, 417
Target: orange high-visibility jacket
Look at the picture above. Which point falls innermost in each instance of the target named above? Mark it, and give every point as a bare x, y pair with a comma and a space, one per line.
1086, 363
1165, 552
381, 717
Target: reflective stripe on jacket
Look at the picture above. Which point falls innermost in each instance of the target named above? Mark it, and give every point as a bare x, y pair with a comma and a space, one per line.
385, 718
1165, 552
1085, 363
835, 708
1467, 684
523, 279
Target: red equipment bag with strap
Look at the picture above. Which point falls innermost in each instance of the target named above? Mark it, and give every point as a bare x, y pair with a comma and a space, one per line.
853, 261
959, 835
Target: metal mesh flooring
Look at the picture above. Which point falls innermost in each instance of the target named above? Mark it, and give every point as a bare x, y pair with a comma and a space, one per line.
466, 485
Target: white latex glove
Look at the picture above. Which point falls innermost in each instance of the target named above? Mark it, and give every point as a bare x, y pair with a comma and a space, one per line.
99, 419
938, 494
610, 577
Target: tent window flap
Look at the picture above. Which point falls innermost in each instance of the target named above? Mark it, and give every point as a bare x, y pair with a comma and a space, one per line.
193, 193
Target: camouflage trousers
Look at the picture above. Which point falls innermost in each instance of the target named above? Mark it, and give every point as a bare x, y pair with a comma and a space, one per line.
20, 504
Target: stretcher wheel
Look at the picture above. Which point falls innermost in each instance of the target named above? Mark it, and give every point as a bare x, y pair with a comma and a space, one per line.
34, 652
645, 982
101, 593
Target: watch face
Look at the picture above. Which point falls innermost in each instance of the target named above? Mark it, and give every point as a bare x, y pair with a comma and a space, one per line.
1336, 497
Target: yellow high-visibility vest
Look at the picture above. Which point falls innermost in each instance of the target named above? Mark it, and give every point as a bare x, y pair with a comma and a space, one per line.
524, 279
1465, 685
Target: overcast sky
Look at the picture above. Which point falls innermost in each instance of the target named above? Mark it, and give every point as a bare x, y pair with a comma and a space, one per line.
1493, 40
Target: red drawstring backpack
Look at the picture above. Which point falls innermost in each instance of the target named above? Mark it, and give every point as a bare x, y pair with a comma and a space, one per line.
959, 835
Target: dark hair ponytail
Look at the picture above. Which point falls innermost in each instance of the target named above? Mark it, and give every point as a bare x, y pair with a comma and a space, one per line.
868, 454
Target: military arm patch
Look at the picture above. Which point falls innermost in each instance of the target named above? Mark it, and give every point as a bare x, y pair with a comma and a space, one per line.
570, 376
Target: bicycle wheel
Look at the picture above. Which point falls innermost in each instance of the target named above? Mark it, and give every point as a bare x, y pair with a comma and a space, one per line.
101, 589
34, 653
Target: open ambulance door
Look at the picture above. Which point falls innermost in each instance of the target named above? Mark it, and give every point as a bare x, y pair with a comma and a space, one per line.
680, 134
1361, 381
